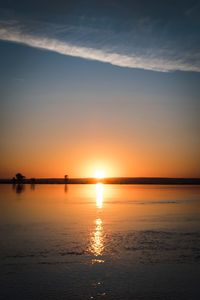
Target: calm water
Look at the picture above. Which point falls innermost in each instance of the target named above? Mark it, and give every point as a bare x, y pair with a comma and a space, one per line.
99, 242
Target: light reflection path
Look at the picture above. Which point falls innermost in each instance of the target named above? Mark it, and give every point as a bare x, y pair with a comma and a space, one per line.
99, 195
97, 243
97, 238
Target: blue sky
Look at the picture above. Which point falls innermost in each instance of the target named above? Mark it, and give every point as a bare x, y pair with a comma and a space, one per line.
136, 34
99, 83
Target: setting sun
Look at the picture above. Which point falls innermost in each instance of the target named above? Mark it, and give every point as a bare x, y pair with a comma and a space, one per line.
99, 174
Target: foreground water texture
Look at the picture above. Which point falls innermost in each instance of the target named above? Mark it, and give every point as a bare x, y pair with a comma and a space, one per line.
99, 242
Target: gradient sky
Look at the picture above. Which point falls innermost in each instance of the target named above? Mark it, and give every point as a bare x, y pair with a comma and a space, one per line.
112, 85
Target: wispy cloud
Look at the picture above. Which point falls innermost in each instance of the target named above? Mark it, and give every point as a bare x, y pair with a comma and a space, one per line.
122, 52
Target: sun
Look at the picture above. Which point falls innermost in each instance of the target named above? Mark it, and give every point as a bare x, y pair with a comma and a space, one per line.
99, 174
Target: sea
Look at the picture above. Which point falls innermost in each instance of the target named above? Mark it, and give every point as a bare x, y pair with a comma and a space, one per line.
99, 241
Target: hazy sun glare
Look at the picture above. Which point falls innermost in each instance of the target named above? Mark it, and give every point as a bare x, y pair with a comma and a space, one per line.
99, 174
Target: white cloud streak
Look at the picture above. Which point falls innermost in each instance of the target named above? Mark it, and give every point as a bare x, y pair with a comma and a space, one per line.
146, 61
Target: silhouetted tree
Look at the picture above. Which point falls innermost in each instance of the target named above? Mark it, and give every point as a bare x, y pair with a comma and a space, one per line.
20, 177
66, 178
13, 180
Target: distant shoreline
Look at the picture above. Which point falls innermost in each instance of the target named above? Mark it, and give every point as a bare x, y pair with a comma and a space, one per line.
115, 180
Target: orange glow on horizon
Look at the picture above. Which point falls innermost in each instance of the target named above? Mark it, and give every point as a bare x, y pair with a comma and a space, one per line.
84, 162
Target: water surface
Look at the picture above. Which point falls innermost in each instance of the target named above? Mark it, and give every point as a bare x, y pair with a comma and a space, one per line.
100, 242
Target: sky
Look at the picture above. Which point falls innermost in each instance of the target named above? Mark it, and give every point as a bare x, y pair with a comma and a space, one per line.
99, 85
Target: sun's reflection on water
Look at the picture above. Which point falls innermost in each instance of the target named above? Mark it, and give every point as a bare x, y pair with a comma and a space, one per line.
97, 239
99, 195
97, 242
